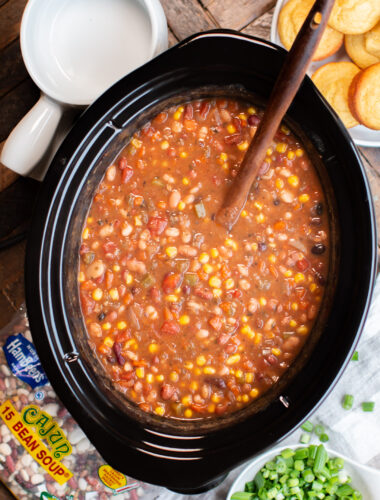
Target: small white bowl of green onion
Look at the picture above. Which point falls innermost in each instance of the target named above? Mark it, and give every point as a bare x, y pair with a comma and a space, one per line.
305, 473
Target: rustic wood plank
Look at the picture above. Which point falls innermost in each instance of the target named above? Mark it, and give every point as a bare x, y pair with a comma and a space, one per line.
186, 17
10, 18
15, 105
235, 14
172, 39
7, 177
261, 26
372, 156
12, 67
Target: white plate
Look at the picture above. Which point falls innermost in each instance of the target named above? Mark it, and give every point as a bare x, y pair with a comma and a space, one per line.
365, 479
362, 136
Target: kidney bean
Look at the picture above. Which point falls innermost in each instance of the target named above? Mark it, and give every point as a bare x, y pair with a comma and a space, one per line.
117, 348
233, 139
204, 110
189, 112
157, 225
167, 391
126, 175
171, 282
170, 328
254, 120
217, 382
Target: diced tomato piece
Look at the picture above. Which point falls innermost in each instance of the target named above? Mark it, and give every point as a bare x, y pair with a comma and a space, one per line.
87, 302
170, 328
84, 249
203, 293
171, 282
109, 278
126, 175
110, 247
302, 264
236, 121
122, 163
123, 336
155, 295
157, 225
216, 322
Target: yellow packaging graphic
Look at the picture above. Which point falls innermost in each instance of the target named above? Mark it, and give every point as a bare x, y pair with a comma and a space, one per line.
111, 477
32, 443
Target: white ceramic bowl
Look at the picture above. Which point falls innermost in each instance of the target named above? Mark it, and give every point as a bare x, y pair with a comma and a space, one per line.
365, 479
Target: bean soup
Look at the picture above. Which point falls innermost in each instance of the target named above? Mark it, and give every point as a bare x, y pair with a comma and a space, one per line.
187, 320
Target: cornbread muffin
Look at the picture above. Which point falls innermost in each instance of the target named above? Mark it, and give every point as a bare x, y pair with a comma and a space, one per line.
372, 40
290, 20
364, 97
333, 80
353, 17
356, 48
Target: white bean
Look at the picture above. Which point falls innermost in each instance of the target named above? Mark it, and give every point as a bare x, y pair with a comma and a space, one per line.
202, 333
95, 270
174, 199
106, 230
172, 232
126, 229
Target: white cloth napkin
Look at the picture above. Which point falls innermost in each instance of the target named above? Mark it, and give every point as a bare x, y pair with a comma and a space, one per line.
353, 433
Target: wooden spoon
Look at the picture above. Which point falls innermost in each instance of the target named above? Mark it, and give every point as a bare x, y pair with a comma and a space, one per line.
284, 90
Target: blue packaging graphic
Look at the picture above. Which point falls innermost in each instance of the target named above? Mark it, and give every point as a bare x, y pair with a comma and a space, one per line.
23, 360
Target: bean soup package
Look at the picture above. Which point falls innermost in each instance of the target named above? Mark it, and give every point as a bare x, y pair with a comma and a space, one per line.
44, 454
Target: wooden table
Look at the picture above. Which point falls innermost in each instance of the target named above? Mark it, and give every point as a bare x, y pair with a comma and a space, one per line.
18, 93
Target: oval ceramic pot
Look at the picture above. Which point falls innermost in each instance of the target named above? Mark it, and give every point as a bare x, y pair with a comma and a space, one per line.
193, 456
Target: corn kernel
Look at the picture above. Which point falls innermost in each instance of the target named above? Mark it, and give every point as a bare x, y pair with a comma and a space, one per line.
225, 166
171, 252
258, 205
140, 372
129, 279
238, 398
272, 258
249, 377
204, 258
214, 253
243, 146
247, 330
254, 246
81, 277
159, 410
244, 213
235, 358
86, 233
302, 330
238, 373
121, 325
245, 398
188, 365
116, 268
288, 273
181, 205
108, 342
207, 268
136, 143
223, 157
269, 152
211, 408
197, 371
185, 181
153, 348
294, 306
171, 298
186, 400
279, 183
215, 282
149, 378
164, 145
90, 220
215, 398
244, 319
312, 287
209, 370
299, 152
281, 147
291, 155
138, 221
160, 378
174, 377
298, 277
231, 129
260, 218
258, 338
229, 284
188, 413
231, 243
254, 393
177, 115
293, 180
304, 198
114, 294
276, 351
217, 292
292, 323
183, 154
184, 319
201, 360
263, 301
106, 326
165, 163
97, 294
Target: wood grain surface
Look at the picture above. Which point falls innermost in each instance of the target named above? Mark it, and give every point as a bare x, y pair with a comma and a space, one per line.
18, 93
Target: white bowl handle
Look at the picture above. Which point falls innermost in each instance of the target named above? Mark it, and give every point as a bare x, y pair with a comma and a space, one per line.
30, 139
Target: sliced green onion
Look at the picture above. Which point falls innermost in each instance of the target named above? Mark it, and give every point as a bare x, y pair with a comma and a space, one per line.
319, 429
259, 481
305, 438
191, 279
324, 438
368, 406
307, 426
242, 495
320, 459
200, 210
147, 281
355, 356
348, 402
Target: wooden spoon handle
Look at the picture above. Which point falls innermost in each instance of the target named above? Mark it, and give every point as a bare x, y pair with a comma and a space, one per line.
284, 90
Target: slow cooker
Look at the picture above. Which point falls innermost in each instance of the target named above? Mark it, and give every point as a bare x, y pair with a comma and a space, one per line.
193, 456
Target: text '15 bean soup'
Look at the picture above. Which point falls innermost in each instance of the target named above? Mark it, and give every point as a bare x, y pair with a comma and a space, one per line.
187, 320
